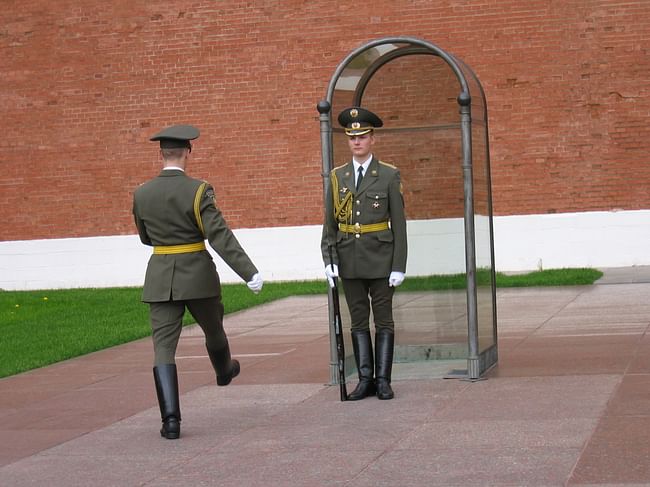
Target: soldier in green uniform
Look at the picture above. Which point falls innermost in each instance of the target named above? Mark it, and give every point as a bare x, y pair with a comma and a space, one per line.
175, 214
365, 223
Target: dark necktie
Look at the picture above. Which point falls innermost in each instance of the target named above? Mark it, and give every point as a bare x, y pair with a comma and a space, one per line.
360, 178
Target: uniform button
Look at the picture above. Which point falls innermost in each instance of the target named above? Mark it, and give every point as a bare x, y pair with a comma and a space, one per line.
358, 213
357, 235
358, 202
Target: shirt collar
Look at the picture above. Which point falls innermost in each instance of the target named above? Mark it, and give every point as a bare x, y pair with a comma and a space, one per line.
173, 168
363, 164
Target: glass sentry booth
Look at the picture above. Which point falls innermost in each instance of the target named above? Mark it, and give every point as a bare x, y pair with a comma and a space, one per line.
436, 132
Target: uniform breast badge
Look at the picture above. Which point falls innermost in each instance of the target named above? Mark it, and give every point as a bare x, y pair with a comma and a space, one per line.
376, 205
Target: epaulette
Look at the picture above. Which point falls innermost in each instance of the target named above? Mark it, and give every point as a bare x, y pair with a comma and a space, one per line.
386, 164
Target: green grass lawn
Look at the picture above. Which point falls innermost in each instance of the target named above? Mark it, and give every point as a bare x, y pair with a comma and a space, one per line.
39, 328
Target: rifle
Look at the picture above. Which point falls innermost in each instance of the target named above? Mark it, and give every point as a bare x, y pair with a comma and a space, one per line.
338, 333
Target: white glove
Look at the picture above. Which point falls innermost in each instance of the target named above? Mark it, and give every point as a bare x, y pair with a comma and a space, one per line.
256, 283
395, 279
331, 271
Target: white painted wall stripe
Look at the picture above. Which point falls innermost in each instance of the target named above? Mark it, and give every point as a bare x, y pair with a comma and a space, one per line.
522, 243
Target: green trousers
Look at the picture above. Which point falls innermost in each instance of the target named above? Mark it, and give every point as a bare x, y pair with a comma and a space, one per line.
361, 294
167, 321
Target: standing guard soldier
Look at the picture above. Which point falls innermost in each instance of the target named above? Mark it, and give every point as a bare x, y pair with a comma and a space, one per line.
175, 214
365, 223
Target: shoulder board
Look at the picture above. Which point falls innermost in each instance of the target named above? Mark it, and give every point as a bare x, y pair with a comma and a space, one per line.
386, 164
339, 167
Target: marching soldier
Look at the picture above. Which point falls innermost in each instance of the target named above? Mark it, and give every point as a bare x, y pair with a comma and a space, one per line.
365, 223
175, 214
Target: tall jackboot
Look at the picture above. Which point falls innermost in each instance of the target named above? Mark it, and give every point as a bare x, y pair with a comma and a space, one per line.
166, 379
384, 346
225, 367
362, 345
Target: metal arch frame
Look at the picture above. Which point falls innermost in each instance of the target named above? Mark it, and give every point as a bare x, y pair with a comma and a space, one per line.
381, 61
451, 61
412, 46
408, 50
493, 359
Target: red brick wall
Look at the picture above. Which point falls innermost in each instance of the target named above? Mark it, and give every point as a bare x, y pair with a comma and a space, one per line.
84, 83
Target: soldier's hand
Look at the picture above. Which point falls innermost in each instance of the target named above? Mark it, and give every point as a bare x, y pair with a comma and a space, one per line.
331, 271
395, 279
256, 283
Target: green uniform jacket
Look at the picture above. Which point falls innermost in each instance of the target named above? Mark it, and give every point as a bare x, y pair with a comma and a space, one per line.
163, 209
370, 255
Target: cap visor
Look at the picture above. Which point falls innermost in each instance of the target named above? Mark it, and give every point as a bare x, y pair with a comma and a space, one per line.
352, 132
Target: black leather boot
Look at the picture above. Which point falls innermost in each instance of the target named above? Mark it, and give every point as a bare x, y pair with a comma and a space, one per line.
225, 367
384, 345
362, 345
166, 379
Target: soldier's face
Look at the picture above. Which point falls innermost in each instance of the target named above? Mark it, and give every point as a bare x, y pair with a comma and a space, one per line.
361, 145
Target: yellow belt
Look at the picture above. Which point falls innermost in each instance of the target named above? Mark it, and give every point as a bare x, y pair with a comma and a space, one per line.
179, 249
359, 228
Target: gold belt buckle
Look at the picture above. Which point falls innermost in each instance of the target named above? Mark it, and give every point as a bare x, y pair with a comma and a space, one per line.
357, 227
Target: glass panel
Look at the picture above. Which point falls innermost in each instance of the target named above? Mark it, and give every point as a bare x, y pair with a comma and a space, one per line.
415, 95
349, 79
482, 215
484, 290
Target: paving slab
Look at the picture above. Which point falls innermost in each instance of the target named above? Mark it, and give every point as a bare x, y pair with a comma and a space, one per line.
567, 405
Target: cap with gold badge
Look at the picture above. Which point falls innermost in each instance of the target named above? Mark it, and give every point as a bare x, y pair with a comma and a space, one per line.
358, 121
176, 137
